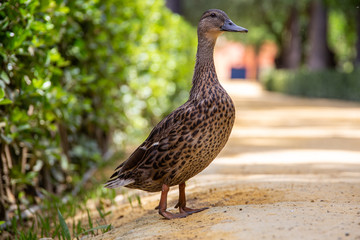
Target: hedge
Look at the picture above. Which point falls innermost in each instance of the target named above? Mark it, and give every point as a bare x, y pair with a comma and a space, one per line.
75, 75
317, 84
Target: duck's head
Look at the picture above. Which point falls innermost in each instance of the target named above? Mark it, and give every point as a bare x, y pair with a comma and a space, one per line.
214, 22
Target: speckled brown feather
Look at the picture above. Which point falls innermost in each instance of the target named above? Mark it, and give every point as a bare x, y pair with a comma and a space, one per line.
185, 142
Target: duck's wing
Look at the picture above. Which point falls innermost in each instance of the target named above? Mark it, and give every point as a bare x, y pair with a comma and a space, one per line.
163, 137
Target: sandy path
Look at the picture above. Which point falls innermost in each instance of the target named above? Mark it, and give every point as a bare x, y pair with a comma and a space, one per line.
291, 170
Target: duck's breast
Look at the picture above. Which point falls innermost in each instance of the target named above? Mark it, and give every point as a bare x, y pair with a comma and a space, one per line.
209, 131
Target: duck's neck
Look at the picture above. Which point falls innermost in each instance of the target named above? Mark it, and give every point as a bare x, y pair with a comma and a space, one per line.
204, 73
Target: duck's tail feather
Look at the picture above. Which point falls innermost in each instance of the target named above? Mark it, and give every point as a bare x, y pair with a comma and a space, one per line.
118, 182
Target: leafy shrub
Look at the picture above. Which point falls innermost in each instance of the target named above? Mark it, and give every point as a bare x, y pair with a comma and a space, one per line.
320, 84
73, 75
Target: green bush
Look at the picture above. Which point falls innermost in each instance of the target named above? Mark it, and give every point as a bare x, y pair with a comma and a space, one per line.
77, 74
319, 84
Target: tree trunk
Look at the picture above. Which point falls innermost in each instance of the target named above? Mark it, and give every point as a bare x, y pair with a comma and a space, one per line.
319, 56
292, 56
357, 60
174, 6
290, 53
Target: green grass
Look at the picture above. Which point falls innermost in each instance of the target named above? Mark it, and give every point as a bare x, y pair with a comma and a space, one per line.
57, 219
59, 215
65, 233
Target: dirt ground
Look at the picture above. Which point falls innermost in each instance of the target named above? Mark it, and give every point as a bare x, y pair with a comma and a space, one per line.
291, 170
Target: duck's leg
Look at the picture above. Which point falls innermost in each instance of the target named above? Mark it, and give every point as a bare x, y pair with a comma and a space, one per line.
182, 202
163, 205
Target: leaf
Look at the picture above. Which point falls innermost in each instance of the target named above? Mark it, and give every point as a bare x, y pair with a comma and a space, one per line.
2, 83
23, 127
8, 139
5, 77
90, 222
2, 93
5, 101
37, 83
64, 226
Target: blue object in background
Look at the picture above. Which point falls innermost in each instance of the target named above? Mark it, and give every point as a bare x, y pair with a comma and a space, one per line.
238, 73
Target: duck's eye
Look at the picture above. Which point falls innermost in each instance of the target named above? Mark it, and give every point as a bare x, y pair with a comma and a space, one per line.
213, 15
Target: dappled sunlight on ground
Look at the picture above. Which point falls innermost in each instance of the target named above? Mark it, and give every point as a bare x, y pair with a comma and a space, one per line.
289, 157
242, 88
273, 129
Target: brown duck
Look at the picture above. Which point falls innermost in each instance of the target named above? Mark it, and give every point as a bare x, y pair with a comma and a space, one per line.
186, 141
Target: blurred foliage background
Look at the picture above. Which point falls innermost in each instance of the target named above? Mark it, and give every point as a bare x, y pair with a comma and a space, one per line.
318, 42
80, 79
74, 76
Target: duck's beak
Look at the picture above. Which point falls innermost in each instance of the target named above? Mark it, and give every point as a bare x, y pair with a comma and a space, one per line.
229, 26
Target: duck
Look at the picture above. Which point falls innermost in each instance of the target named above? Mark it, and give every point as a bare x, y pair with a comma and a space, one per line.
187, 140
